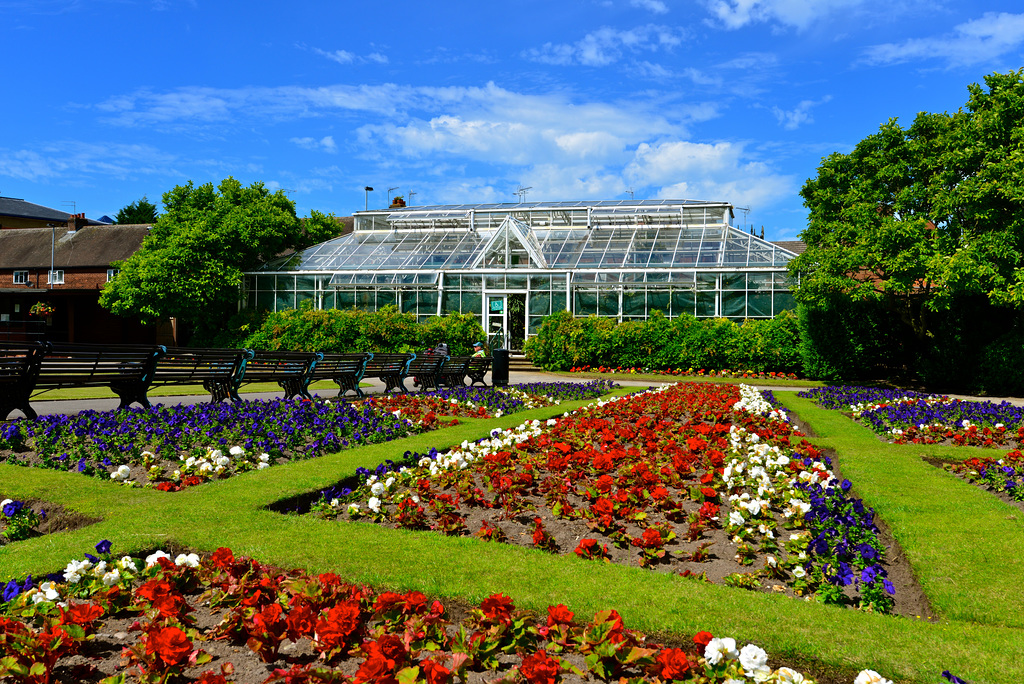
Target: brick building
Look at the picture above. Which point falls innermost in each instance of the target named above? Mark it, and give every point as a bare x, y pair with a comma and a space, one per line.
81, 252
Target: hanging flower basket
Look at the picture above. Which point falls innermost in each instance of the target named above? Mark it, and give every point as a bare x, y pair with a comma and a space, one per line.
42, 309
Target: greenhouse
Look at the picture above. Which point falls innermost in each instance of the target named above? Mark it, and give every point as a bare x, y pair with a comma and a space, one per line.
513, 264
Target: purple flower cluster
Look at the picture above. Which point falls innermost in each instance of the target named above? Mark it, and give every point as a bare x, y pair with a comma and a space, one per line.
841, 397
91, 441
497, 399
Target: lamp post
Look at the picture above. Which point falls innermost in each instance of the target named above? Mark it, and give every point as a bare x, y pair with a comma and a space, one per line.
366, 197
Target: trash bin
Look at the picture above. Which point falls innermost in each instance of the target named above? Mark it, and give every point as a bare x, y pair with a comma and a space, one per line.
499, 367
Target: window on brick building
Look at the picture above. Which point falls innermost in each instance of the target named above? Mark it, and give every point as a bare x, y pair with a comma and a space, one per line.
111, 273
55, 277
20, 277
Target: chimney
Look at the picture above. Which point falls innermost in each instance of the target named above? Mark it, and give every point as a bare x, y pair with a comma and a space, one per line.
76, 221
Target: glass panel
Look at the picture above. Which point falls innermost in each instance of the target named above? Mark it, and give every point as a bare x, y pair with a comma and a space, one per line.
345, 299
471, 282
540, 282
387, 298
634, 303
685, 279
784, 301
495, 282
451, 303
759, 281
305, 282
303, 296
540, 303
585, 302
266, 283
328, 299
472, 302
265, 300
284, 301
285, 283
706, 304
452, 282
608, 304
734, 281
734, 303
408, 301
784, 282
706, 281
515, 282
759, 304
535, 323
657, 300
366, 299
559, 282
683, 301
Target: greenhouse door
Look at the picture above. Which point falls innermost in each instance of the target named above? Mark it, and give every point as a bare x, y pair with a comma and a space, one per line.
497, 321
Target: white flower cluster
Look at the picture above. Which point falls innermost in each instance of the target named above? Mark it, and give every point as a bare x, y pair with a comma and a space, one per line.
216, 463
751, 401
108, 574
752, 661
121, 474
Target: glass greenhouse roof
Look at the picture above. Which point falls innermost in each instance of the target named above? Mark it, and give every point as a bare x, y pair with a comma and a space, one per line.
619, 234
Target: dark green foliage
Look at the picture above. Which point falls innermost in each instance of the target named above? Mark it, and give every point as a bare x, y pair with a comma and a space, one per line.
564, 342
846, 340
1001, 372
140, 211
351, 330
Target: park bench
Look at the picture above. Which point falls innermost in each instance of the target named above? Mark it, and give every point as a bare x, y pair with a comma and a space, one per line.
453, 372
291, 370
218, 370
426, 370
345, 369
392, 369
478, 368
126, 369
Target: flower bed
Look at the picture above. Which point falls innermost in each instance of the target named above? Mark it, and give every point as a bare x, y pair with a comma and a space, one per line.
695, 479
698, 372
1004, 475
173, 447
915, 418
207, 619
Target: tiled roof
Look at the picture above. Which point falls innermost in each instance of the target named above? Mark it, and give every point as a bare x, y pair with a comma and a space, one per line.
91, 246
9, 206
794, 246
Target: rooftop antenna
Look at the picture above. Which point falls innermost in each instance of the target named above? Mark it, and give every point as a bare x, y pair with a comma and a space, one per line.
746, 211
389, 193
411, 193
70, 203
630, 191
521, 191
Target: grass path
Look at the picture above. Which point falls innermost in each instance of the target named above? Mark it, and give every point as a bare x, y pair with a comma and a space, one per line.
978, 640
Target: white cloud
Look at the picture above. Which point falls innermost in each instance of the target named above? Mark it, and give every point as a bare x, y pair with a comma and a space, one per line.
710, 171
70, 157
326, 144
346, 57
607, 45
973, 42
734, 14
794, 118
656, 6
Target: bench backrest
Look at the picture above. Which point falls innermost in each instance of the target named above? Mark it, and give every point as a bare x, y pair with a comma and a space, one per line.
427, 364
19, 361
334, 365
388, 364
66, 365
455, 365
270, 366
182, 365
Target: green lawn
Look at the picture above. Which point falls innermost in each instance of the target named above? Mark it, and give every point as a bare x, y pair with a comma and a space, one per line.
961, 542
657, 378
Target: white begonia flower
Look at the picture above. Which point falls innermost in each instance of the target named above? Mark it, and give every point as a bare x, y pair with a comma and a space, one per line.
390, 481
121, 473
111, 578
799, 571
236, 451
154, 558
377, 488
100, 568
353, 509
752, 658
191, 560
128, 563
49, 591
719, 649
262, 466
264, 457
871, 677
216, 453
5, 502
736, 518
223, 462
373, 504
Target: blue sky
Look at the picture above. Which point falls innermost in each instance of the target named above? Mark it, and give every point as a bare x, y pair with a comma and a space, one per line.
734, 100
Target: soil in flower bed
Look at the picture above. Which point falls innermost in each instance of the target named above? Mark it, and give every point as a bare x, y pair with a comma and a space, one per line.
52, 518
226, 618
673, 480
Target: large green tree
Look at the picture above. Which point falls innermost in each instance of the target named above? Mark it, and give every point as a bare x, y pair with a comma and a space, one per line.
139, 211
191, 264
925, 218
